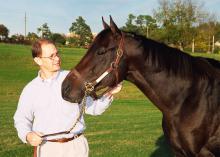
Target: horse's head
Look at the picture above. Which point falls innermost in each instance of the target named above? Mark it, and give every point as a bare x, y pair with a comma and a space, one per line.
102, 66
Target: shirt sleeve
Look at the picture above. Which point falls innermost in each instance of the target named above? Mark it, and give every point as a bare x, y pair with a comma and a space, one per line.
23, 116
97, 107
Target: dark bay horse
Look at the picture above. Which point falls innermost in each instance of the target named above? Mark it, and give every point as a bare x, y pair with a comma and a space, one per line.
185, 89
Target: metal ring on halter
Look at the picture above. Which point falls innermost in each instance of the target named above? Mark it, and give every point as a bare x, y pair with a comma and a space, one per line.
114, 66
89, 87
119, 52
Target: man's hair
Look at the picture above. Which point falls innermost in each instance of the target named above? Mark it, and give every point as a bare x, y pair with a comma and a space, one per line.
36, 47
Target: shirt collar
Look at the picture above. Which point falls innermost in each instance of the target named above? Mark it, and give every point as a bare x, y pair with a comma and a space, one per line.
53, 78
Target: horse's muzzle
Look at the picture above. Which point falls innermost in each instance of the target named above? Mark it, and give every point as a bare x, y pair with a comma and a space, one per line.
69, 93
66, 90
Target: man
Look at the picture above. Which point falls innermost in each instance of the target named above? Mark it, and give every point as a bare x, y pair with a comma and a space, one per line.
41, 109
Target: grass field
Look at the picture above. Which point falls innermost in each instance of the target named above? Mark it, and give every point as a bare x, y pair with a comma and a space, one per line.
131, 127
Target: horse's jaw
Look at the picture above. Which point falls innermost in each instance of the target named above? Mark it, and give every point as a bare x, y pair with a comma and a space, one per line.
139, 80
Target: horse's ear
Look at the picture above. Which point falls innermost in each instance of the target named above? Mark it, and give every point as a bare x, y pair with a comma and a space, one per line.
105, 25
114, 27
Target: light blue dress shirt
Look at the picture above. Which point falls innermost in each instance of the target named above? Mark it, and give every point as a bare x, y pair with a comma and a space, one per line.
41, 108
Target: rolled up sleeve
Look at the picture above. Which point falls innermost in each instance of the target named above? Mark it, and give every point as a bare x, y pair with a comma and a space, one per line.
97, 107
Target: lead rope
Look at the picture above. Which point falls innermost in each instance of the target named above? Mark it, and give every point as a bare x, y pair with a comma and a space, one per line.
82, 111
88, 89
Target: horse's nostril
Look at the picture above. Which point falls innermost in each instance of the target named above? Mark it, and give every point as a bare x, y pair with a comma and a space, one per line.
66, 88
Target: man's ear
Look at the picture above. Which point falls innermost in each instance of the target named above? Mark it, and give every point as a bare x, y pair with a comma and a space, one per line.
38, 61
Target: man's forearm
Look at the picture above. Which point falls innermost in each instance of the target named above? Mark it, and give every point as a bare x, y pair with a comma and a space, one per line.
97, 107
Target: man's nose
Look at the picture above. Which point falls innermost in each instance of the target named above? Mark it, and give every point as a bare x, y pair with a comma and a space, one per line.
57, 58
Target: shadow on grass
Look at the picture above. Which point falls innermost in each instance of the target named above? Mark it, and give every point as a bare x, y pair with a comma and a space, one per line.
162, 148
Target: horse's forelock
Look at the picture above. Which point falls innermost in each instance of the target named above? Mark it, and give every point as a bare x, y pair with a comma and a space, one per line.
101, 40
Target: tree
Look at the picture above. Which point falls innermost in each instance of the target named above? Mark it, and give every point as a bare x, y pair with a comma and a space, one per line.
82, 31
217, 33
211, 33
72, 41
147, 25
208, 31
44, 30
141, 24
177, 18
3, 32
32, 36
17, 38
130, 25
58, 38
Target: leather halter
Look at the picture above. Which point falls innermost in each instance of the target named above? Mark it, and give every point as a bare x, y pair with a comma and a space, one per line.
90, 86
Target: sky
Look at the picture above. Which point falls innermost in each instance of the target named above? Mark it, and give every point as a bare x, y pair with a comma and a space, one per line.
60, 14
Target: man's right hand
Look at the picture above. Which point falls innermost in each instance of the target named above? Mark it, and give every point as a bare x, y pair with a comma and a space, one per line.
34, 138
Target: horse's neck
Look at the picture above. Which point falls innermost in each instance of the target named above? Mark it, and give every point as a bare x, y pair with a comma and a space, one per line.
162, 89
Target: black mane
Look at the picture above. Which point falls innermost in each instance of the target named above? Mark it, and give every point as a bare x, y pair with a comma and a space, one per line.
174, 61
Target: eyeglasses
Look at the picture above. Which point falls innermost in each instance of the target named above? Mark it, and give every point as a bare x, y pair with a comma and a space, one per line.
53, 56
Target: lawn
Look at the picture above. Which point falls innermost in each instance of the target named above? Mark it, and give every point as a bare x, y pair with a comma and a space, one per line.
130, 127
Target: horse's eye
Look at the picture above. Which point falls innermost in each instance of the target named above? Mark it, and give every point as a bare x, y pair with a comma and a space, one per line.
101, 51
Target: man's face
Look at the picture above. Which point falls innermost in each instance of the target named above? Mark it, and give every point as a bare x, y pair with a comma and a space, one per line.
50, 58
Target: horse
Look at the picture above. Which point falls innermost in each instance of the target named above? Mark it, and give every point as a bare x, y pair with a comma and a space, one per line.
186, 89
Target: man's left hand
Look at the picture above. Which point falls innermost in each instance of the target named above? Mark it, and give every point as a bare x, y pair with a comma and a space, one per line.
115, 90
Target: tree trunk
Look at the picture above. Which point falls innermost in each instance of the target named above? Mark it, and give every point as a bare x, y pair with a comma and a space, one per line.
209, 43
181, 46
213, 44
193, 46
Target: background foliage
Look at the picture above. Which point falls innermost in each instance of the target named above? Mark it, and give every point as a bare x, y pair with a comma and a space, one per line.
179, 23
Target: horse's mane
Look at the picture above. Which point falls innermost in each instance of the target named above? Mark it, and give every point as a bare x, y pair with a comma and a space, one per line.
174, 61
213, 62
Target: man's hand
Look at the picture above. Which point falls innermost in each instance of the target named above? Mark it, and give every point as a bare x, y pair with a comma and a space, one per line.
34, 138
115, 90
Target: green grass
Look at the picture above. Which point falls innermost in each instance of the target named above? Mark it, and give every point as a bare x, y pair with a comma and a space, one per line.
130, 127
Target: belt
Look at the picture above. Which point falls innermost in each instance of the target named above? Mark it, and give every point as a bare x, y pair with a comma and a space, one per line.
61, 140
